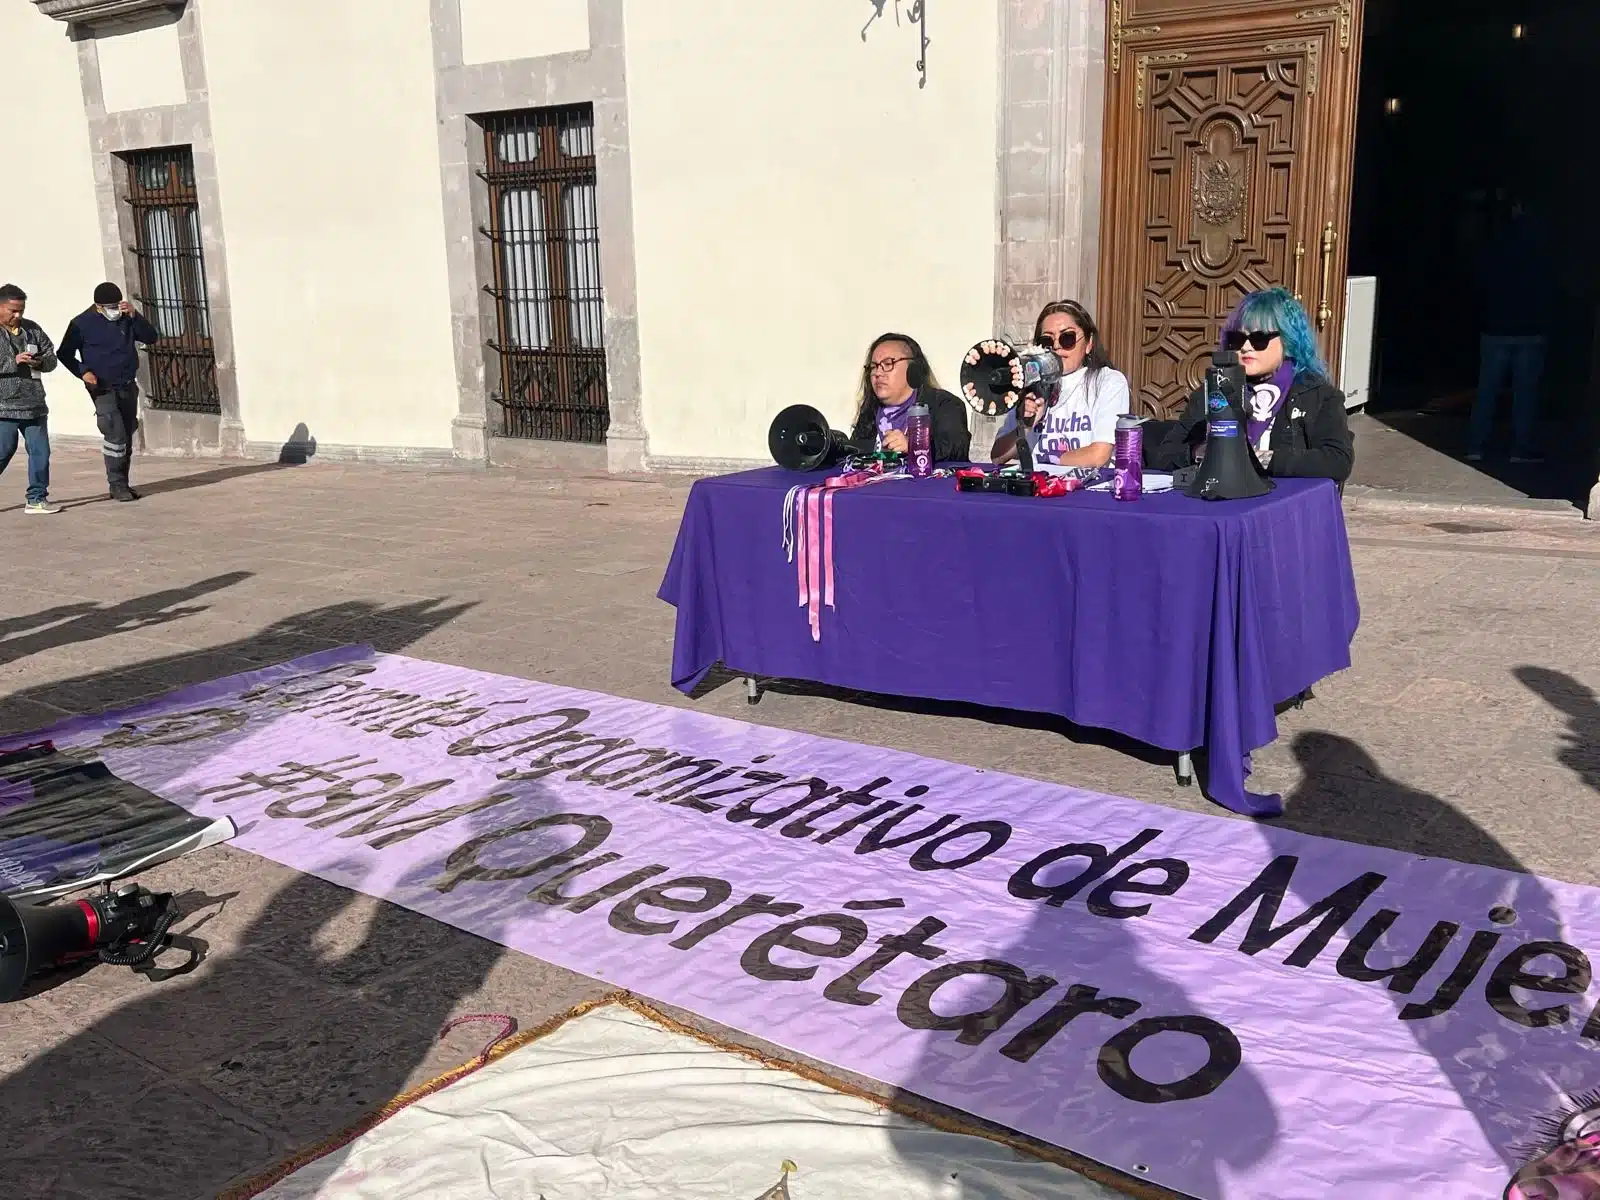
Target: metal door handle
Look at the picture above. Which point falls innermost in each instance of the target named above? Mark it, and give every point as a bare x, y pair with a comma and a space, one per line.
1299, 257
1330, 239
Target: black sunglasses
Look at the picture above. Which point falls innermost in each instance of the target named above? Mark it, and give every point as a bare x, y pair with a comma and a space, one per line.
1065, 340
1259, 339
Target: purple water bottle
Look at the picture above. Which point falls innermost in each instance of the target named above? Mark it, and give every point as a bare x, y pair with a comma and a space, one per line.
919, 442
1128, 457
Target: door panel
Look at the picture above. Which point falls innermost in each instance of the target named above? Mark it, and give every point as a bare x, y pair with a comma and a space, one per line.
1229, 138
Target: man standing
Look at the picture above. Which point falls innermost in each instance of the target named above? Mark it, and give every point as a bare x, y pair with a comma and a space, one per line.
100, 347
1516, 288
25, 353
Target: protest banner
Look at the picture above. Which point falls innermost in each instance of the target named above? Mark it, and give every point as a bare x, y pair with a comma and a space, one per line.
1210, 1004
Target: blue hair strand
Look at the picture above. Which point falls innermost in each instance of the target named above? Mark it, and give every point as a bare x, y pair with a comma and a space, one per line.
1277, 309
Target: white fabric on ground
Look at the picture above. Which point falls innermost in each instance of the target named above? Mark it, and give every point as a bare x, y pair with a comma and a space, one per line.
613, 1105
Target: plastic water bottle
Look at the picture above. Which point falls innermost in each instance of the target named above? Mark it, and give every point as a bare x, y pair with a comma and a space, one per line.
1128, 457
919, 442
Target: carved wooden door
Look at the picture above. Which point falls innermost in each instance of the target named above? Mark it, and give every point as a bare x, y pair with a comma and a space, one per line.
1230, 130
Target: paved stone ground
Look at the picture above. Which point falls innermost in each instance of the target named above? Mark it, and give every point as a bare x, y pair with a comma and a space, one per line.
1468, 727
1419, 451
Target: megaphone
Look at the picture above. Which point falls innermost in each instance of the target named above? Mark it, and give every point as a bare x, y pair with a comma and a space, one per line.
126, 926
995, 376
1230, 470
800, 439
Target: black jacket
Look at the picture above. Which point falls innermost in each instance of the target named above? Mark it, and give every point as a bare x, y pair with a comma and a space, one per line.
107, 348
1310, 435
952, 439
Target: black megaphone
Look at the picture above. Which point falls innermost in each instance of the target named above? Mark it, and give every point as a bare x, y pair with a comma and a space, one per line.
800, 439
1230, 469
125, 926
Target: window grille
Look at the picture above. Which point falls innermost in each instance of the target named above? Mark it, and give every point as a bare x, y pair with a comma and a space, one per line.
172, 279
545, 233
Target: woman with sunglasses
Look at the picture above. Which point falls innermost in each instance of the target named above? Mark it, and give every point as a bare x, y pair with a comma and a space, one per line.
895, 375
1079, 424
1296, 418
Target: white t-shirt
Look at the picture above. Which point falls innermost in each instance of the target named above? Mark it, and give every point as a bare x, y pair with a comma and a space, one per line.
1077, 418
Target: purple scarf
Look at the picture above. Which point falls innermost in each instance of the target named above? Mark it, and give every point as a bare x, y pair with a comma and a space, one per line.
1260, 416
897, 417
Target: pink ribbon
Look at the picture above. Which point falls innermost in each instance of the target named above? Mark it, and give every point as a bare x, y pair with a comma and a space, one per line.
810, 538
827, 547
813, 500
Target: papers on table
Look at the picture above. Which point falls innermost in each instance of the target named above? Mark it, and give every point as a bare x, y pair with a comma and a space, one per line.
1154, 481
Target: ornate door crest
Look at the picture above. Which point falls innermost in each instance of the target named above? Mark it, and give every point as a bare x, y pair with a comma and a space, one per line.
1218, 192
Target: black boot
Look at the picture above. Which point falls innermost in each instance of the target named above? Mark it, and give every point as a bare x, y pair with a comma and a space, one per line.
117, 477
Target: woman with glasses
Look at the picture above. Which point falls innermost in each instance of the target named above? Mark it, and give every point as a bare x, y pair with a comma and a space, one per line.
895, 375
1078, 426
1296, 418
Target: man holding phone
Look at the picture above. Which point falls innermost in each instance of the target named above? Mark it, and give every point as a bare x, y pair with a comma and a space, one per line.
100, 347
25, 354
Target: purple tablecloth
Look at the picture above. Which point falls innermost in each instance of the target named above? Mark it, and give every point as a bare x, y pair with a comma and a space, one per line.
1181, 623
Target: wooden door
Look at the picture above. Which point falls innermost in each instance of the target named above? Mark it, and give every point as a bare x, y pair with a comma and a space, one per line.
1230, 132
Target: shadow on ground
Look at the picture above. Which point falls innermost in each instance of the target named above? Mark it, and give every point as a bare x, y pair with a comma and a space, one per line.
1080, 735
321, 1007
182, 483
175, 483
69, 624
1567, 474
384, 627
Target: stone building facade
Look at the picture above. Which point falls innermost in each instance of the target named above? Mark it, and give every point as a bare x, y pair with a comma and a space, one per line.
304, 192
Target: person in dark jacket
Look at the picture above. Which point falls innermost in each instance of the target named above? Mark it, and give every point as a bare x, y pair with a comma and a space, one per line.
1516, 278
896, 373
100, 347
1296, 417
25, 352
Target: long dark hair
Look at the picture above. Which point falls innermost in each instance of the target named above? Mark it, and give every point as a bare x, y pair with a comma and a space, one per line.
1098, 357
867, 405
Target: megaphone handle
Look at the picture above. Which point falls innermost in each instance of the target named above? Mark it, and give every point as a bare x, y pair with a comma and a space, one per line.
1024, 452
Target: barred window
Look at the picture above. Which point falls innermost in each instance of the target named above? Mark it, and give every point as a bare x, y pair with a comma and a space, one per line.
544, 227
172, 279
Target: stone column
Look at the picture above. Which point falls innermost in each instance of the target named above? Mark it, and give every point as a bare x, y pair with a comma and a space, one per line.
111, 134
1052, 101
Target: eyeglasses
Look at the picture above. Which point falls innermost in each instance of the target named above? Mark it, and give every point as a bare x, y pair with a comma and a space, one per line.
1259, 339
884, 365
1065, 340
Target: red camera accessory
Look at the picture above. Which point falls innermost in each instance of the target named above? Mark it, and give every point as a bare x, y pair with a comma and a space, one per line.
1055, 485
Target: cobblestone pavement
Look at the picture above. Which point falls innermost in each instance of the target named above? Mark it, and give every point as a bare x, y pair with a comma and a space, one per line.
1468, 727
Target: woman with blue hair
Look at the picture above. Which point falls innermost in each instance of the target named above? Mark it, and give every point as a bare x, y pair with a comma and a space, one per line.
1295, 415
